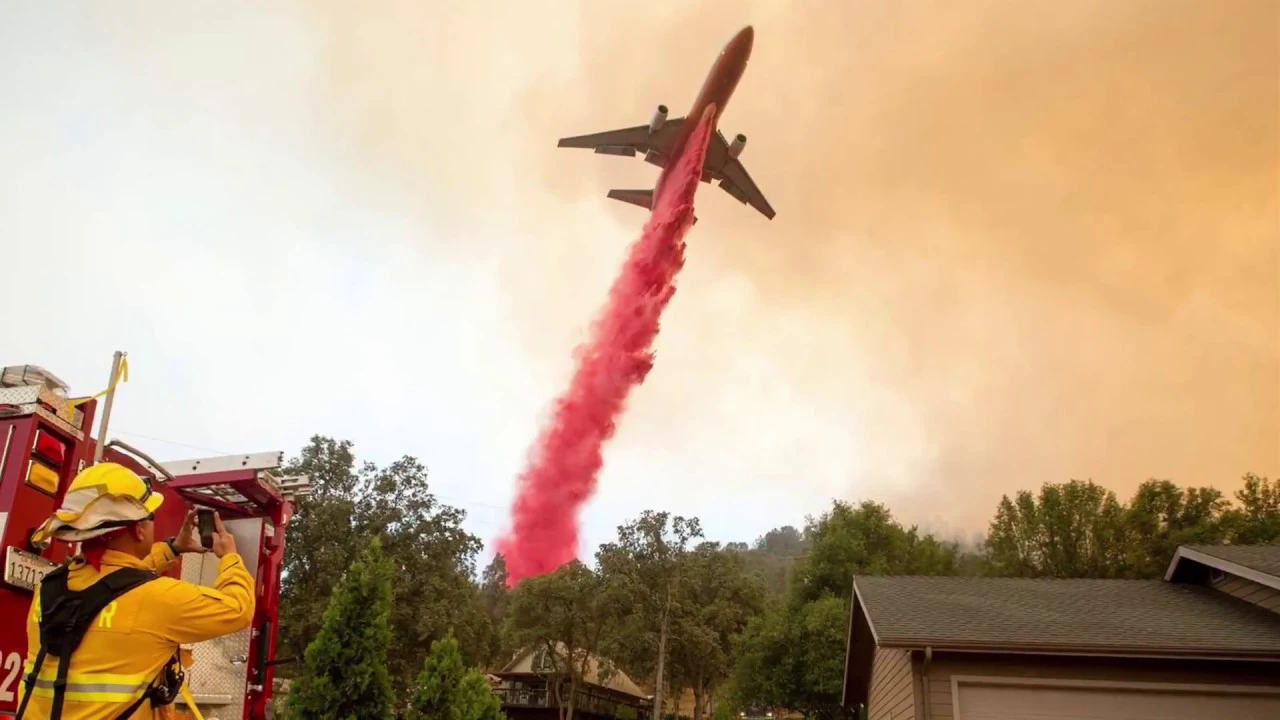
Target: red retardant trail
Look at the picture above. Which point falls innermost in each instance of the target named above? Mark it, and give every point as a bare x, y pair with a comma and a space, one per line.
565, 463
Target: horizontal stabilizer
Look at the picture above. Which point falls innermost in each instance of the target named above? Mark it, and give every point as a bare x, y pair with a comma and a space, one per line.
643, 198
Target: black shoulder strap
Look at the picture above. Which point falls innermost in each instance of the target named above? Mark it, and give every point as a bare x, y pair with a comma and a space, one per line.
65, 617
55, 582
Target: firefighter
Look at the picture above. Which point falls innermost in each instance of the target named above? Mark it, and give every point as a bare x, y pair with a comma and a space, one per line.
110, 612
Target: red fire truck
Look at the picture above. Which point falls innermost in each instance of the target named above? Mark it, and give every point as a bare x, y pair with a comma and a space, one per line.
45, 439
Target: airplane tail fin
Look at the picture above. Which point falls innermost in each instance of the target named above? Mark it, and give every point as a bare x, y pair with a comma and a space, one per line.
643, 198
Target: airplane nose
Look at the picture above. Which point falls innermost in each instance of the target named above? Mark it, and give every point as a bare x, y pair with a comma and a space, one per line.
746, 36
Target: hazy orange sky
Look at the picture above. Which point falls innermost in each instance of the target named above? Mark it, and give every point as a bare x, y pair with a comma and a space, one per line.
1015, 243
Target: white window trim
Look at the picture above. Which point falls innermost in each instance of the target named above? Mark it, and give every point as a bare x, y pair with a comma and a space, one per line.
1000, 680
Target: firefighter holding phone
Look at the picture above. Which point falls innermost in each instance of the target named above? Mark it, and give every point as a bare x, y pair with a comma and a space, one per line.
104, 631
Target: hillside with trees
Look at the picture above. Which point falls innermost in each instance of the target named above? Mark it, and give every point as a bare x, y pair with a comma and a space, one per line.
731, 625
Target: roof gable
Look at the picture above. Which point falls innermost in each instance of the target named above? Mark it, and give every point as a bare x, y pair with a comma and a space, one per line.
859, 658
1104, 617
1259, 563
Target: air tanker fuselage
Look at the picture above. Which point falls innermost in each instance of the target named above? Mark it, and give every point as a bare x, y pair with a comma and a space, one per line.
715, 93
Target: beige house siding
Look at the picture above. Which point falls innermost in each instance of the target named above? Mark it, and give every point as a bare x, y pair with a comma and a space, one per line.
1189, 671
1248, 590
891, 696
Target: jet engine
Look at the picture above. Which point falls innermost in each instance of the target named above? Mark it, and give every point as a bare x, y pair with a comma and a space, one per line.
659, 118
738, 144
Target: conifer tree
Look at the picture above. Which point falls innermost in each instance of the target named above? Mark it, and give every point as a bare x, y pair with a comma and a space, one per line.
447, 690
345, 673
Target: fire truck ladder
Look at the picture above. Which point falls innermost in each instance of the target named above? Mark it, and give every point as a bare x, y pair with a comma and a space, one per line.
237, 486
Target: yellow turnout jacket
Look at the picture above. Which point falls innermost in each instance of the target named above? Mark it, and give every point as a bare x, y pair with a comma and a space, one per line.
136, 635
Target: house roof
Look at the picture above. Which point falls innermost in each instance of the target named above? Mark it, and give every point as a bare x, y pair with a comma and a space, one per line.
1259, 563
522, 664
1143, 617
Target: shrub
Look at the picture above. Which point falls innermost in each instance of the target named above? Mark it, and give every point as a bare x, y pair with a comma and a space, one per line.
448, 690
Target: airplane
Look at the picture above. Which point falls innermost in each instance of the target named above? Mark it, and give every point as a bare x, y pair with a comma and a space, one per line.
662, 140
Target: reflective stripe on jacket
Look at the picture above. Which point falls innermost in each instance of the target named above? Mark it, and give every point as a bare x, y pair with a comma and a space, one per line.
137, 634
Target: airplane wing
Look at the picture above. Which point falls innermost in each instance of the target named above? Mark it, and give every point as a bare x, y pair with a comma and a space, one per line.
655, 146
733, 177
656, 149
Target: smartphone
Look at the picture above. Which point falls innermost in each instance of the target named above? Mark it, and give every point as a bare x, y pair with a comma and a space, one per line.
204, 521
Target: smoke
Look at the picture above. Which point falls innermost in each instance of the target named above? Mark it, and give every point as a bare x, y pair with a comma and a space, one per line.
1016, 242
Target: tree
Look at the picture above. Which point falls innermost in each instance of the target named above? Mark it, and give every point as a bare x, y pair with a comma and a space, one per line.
784, 540
793, 657
1073, 529
646, 564
719, 597
475, 700
864, 540
563, 617
345, 673
1257, 520
494, 598
433, 557
436, 560
1161, 516
320, 544
773, 556
1079, 529
448, 690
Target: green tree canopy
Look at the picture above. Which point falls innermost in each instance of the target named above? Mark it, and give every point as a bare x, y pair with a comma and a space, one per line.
494, 598
865, 540
1256, 520
718, 597
645, 567
774, 555
1080, 529
793, 658
1161, 516
1073, 529
433, 557
345, 672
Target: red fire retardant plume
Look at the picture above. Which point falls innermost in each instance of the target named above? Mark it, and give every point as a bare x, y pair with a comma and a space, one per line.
565, 462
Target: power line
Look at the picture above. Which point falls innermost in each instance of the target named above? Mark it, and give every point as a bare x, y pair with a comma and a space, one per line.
171, 442
466, 506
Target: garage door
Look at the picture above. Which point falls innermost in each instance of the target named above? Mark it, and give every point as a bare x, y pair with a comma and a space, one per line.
1039, 702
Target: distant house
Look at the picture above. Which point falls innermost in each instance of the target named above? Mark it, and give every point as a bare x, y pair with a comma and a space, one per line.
1204, 642
525, 688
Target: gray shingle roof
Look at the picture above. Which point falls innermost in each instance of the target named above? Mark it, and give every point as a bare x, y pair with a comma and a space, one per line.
1263, 558
1144, 616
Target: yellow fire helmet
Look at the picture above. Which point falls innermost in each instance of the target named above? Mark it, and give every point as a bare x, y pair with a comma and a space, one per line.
100, 499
